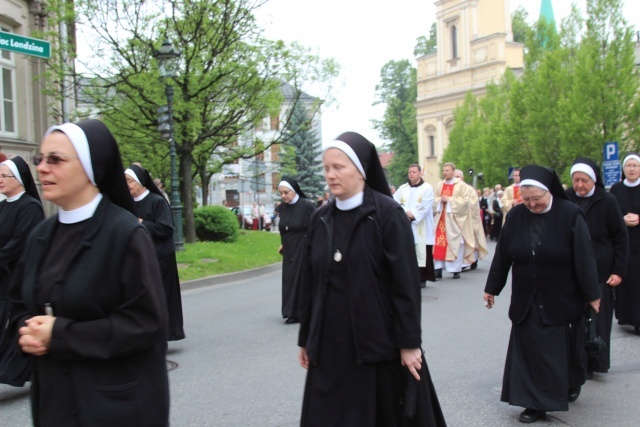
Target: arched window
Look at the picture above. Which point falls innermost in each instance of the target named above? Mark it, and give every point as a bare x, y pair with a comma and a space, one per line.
454, 42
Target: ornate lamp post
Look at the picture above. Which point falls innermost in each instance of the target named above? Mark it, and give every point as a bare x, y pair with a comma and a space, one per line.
167, 58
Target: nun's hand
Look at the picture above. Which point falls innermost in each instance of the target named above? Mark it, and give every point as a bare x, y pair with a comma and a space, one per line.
280, 250
35, 337
631, 219
614, 280
302, 357
489, 300
595, 305
412, 359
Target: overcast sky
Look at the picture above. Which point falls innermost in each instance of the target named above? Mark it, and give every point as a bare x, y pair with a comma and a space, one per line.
363, 36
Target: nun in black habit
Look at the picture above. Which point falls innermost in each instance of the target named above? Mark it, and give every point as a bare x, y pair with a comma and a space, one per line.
360, 305
154, 214
86, 296
627, 192
610, 243
20, 212
295, 212
545, 240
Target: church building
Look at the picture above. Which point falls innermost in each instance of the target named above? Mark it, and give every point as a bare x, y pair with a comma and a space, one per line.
475, 47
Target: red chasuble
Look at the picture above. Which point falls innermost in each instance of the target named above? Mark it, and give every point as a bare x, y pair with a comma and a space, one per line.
440, 248
516, 193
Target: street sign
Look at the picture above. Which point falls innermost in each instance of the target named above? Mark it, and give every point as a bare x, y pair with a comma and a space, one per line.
25, 45
611, 164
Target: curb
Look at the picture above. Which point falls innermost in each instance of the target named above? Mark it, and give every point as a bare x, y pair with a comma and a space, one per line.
229, 277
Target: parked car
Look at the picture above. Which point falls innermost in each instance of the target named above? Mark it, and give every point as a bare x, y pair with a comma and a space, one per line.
243, 213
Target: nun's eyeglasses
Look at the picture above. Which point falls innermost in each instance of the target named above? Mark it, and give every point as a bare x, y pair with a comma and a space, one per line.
51, 159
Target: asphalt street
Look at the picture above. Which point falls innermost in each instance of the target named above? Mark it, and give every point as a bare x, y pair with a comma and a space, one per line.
238, 366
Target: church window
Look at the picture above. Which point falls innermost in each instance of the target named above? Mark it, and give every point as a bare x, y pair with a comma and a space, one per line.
454, 42
7, 91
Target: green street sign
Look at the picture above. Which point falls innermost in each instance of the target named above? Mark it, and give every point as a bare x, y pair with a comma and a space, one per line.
25, 45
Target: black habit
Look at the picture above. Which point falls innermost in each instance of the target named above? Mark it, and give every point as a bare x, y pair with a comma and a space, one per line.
106, 361
554, 278
360, 304
17, 220
294, 222
156, 217
627, 306
610, 243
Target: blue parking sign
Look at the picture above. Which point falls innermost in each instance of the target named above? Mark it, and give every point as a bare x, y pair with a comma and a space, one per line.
611, 164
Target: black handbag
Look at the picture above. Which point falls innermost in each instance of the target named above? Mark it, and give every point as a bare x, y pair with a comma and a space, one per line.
594, 344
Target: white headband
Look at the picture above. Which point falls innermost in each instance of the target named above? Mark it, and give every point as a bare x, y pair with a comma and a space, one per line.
534, 183
14, 170
346, 149
286, 184
79, 140
584, 168
631, 157
133, 175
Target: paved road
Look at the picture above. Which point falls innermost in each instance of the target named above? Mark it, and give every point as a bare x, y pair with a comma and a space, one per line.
238, 366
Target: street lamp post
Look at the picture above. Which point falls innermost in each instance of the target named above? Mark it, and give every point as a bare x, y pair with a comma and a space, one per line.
167, 58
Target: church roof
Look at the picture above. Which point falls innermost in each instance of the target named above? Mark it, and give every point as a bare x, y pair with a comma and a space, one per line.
546, 11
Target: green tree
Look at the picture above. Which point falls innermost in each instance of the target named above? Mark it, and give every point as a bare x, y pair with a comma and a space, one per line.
302, 149
426, 46
519, 26
398, 90
229, 80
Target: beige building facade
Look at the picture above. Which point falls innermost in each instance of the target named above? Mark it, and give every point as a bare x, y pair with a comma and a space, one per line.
475, 47
23, 106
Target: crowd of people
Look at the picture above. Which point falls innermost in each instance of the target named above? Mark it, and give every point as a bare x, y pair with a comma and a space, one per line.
90, 297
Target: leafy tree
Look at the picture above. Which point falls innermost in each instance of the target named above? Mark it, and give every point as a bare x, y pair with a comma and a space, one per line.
229, 79
519, 26
424, 45
398, 90
302, 151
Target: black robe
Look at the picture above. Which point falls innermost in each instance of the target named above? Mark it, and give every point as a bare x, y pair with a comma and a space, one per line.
106, 364
294, 221
610, 243
157, 220
356, 315
17, 219
627, 306
554, 278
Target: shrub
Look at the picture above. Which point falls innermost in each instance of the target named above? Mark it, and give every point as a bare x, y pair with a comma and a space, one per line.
216, 224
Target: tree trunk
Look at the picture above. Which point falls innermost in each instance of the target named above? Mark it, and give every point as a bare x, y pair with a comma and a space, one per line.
204, 183
186, 164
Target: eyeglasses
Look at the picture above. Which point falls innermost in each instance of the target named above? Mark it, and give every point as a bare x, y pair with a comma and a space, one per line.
7, 176
52, 159
534, 199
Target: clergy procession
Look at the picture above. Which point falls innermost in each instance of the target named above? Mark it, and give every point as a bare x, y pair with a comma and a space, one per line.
78, 321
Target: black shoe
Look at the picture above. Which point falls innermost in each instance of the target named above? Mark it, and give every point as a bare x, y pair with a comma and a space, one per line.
574, 393
423, 284
529, 416
589, 375
439, 273
456, 275
474, 265
291, 320
465, 268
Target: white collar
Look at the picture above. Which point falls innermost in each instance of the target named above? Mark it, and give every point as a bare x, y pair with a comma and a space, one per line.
631, 184
142, 196
589, 194
450, 181
80, 214
294, 200
14, 198
351, 202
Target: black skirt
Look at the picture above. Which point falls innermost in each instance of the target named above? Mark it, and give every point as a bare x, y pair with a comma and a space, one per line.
171, 282
543, 363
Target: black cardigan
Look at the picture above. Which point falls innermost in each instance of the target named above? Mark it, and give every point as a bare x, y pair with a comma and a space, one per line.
384, 288
557, 273
609, 235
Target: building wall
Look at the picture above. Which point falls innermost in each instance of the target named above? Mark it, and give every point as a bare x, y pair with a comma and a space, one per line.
30, 107
484, 50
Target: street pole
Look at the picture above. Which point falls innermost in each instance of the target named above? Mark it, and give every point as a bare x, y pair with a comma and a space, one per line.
167, 58
176, 205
